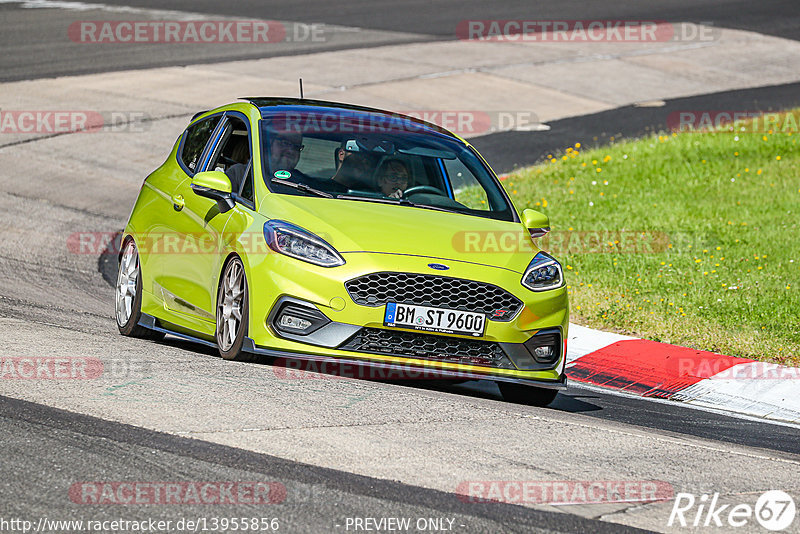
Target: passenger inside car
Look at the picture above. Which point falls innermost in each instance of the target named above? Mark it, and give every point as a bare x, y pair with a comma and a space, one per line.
393, 177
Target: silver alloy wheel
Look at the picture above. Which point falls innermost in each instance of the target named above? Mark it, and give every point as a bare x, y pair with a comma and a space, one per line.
126, 283
229, 305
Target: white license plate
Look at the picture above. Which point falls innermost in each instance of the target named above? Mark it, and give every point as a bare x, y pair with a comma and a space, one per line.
434, 319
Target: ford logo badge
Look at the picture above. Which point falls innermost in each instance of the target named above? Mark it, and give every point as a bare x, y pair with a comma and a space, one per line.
438, 266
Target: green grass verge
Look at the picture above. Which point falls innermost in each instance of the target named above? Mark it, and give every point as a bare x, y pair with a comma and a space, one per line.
689, 239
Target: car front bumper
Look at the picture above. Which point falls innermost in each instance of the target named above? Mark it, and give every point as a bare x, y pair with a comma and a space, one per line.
276, 279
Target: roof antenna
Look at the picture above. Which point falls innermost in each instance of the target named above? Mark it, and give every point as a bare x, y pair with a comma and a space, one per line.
301, 88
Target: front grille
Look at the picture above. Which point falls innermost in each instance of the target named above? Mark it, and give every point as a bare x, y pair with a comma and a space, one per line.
377, 289
431, 347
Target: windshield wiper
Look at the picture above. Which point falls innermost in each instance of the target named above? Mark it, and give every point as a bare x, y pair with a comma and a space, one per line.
301, 187
430, 207
376, 199
396, 201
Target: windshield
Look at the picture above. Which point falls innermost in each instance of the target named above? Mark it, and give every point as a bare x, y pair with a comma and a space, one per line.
351, 158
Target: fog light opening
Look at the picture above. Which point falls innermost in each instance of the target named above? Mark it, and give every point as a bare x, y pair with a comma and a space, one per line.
290, 322
545, 346
295, 317
543, 353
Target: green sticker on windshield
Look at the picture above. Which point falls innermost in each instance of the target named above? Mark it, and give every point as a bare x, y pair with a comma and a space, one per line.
283, 175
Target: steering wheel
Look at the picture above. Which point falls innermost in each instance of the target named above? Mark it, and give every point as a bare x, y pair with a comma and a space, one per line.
423, 189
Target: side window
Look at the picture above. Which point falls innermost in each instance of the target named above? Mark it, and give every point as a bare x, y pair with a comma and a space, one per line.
195, 140
234, 159
466, 188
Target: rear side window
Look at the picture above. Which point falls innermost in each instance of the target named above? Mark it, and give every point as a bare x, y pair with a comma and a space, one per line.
195, 140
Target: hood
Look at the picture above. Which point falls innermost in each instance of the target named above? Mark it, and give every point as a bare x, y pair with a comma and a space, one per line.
356, 226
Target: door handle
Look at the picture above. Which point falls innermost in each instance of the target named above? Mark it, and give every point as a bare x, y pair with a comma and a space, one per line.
177, 202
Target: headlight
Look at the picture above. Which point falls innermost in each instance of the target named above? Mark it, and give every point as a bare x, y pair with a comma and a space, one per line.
543, 273
300, 244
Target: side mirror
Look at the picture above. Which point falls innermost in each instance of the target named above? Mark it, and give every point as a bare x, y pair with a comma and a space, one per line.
214, 185
537, 223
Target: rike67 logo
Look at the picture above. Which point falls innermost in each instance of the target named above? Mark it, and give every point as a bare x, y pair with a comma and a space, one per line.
774, 510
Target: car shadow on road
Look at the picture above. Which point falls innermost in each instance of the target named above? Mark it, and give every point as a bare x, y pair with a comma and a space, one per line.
566, 401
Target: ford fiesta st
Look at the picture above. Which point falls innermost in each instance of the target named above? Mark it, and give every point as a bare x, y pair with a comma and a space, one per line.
320, 231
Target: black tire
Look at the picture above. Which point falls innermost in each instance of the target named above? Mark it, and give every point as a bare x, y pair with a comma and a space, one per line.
521, 394
232, 350
130, 326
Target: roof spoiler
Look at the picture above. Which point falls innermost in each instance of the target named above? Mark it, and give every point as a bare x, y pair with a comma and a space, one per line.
198, 114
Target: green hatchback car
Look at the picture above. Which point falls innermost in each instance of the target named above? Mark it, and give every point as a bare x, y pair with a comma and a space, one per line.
319, 231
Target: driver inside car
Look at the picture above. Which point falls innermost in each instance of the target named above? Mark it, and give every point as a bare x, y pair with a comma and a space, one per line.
284, 151
393, 178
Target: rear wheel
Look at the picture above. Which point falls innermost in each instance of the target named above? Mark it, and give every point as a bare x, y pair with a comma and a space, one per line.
530, 395
232, 311
128, 301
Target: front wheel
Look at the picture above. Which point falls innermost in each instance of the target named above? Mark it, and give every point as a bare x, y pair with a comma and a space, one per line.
521, 394
232, 311
128, 293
